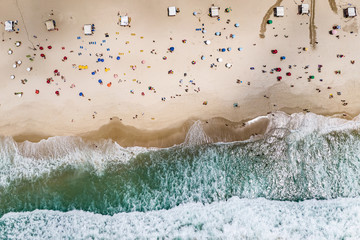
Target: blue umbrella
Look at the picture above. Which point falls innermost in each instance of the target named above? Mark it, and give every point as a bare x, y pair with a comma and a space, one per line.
81, 94
93, 73
240, 48
229, 49
102, 60
217, 33
172, 49
283, 58
202, 57
223, 50
118, 57
100, 81
99, 59
236, 25
204, 31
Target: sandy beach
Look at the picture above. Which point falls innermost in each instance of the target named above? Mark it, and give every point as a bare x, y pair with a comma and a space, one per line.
150, 95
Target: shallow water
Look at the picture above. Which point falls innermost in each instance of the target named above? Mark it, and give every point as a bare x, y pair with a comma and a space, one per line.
295, 182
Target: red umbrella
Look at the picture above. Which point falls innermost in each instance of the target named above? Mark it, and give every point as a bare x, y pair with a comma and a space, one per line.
143, 94
42, 55
49, 47
274, 51
57, 93
37, 91
278, 69
56, 71
279, 78
41, 48
65, 58
288, 74
48, 81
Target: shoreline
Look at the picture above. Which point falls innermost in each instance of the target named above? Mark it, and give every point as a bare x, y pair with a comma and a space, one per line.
215, 130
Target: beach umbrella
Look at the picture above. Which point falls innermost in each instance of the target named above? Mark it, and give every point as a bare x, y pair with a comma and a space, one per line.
99, 59
229, 49
236, 25
49, 47
18, 44
12, 76
204, 31
65, 57
282, 57
143, 62
217, 33
240, 48
19, 62
10, 52
171, 49
305, 49
338, 27
100, 81
142, 94
57, 93
37, 91
41, 48
193, 62
232, 35
279, 78
93, 73
56, 71
118, 58
278, 69
223, 50
81, 94
194, 13
288, 74
207, 42
228, 65
102, 60
312, 77
202, 57
42, 55
219, 59
14, 65
29, 69
109, 84
274, 51
269, 21
333, 32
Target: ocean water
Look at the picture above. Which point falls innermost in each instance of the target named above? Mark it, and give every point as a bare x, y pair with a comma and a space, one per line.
300, 180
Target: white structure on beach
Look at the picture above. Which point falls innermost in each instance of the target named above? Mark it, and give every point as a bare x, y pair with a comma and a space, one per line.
9, 26
279, 12
171, 11
88, 29
350, 12
124, 21
214, 11
304, 9
50, 25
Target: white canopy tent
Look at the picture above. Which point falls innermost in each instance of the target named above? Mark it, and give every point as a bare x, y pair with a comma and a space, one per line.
50, 24
124, 21
9, 26
350, 12
214, 11
88, 29
172, 11
279, 11
304, 9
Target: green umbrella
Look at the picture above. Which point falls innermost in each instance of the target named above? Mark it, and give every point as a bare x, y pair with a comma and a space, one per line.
312, 77
269, 21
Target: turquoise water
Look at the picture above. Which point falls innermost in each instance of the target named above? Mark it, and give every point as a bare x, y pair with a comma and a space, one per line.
305, 168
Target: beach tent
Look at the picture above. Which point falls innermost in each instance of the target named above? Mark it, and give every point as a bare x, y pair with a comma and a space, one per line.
124, 21
88, 29
171, 11
50, 25
9, 26
350, 12
304, 9
279, 11
214, 11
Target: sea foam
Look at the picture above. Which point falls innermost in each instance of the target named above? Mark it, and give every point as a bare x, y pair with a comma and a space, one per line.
232, 219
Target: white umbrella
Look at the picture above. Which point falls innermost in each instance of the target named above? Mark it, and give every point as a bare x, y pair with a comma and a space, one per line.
19, 62
219, 59
10, 52
14, 65
207, 42
18, 44
29, 69
12, 76
228, 65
